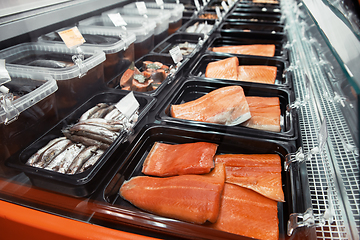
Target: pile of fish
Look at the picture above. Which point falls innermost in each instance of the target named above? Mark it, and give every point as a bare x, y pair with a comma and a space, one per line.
152, 75
229, 106
236, 193
229, 68
186, 48
84, 142
204, 28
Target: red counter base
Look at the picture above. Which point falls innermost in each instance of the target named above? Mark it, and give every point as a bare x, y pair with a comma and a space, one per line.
17, 222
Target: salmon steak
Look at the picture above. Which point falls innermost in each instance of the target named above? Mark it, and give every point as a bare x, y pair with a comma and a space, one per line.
258, 172
265, 50
265, 113
223, 69
169, 160
258, 74
190, 198
247, 213
225, 105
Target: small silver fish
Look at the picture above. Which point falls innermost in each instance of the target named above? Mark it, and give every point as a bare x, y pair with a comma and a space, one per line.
95, 130
89, 163
86, 141
69, 157
35, 157
101, 113
81, 159
52, 152
92, 110
111, 115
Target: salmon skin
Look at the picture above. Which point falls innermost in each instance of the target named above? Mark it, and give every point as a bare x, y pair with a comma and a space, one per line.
189, 158
259, 74
265, 113
191, 198
259, 172
225, 105
265, 50
223, 69
247, 213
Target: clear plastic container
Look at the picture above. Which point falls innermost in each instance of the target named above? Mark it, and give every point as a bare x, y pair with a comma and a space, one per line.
29, 113
76, 82
144, 31
161, 20
176, 10
117, 46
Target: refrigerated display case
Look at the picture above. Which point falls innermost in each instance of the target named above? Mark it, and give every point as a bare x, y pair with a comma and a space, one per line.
316, 82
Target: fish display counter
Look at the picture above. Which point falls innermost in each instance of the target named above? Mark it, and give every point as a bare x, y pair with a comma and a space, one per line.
211, 128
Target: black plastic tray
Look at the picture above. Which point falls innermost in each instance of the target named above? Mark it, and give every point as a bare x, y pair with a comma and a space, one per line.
164, 59
165, 46
193, 88
126, 213
253, 8
250, 3
192, 21
282, 80
280, 51
254, 17
82, 184
261, 30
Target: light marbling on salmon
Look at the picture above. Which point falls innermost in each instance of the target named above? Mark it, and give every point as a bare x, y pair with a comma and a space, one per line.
223, 69
265, 113
191, 198
265, 50
225, 105
259, 74
170, 160
259, 172
247, 213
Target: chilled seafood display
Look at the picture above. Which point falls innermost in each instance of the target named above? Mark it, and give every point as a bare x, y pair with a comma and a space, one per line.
258, 172
84, 142
229, 68
191, 198
265, 50
152, 75
265, 113
186, 48
198, 27
225, 105
247, 213
19, 87
189, 158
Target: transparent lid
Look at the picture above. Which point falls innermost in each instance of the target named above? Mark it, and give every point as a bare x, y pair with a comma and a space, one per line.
11, 108
142, 29
92, 59
121, 42
151, 13
175, 9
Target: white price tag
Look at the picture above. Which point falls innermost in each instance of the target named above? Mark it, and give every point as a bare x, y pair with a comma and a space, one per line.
197, 4
4, 74
160, 3
225, 6
177, 2
141, 8
176, 54
204, 2
117, 19
72, 37
128, 105
218, 12
229, 2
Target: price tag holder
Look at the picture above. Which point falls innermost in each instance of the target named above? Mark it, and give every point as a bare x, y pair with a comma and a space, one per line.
72, 37
230, 2
4, 74
128, 105
204, 2
197, 4
177, 2
141, 8
218, 12
225, 6
176, 54
160, 3
117, 19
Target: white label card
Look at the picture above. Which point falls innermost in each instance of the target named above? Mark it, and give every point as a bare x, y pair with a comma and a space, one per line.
176, 54
160, 3
117, 19
72, 37
141, 7
229, 2
218, 12
4, 74
204, 2
197, 4
128, 105
225, 6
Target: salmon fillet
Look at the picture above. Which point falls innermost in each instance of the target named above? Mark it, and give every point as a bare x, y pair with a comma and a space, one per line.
191, 198
223, 69
247, 213
225, 105
265, 50
265, 113
189, 158
259, 74
259, 172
